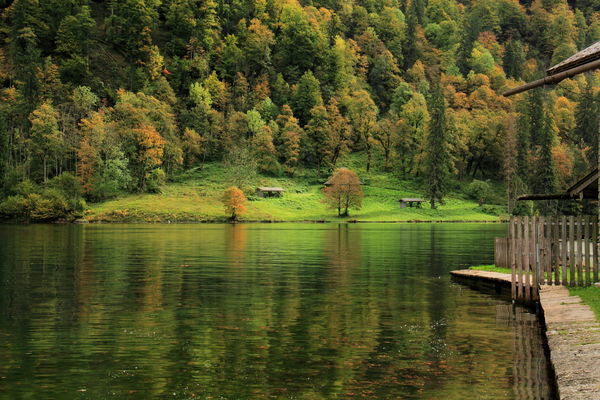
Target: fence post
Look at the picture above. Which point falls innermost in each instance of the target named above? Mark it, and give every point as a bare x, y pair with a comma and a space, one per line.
586, 243
520, 259
580, 251
513, 258
563, 250
572, 251
595, 246
556, 251
529, 244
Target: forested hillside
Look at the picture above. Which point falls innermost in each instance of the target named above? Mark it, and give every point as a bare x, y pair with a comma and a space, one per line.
100, 98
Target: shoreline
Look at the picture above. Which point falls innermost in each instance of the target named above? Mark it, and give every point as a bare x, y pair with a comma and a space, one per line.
216, 221
570, 327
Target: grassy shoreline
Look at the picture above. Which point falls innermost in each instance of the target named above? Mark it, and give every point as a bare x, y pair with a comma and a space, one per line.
196, 197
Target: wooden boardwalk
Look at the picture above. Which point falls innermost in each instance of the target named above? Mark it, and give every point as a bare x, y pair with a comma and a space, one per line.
573, 335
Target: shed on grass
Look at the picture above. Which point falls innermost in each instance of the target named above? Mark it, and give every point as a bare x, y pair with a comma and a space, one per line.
408, 202
269, 191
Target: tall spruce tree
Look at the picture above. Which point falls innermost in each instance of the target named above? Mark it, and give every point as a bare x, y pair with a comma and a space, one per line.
438, 162
586, 119
523, 144
411, 52
514, 59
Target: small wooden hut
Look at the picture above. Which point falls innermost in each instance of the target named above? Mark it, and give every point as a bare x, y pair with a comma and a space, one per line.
408, 202
269, 191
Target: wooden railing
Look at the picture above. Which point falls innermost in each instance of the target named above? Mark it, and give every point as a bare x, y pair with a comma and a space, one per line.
549, 250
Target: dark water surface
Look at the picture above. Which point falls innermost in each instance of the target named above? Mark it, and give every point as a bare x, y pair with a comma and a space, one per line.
283, 311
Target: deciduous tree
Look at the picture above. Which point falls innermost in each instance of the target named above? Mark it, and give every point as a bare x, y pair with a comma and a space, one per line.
344, 191
234, 202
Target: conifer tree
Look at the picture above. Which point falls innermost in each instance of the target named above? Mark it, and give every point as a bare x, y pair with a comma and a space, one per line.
586, 118
523, 144
410, 44
306, 96
514, 59
438, 162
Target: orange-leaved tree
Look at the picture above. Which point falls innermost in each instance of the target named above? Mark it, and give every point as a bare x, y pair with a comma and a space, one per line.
149, 153
234, 202
343, 191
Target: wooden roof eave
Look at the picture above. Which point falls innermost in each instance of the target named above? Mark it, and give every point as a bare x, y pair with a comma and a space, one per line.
555, 196
581, 185
553, 79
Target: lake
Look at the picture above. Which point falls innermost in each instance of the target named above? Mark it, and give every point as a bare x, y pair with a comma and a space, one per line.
259, 311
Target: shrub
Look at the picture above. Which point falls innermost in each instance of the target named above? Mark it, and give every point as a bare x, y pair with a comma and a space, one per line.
61, 199
156, 179
480, 191
523, 208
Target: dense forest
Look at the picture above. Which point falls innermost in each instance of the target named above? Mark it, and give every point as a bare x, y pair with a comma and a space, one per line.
106, 97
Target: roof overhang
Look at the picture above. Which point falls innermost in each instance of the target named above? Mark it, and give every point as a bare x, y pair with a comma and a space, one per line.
585, 60
553, 79
585, 188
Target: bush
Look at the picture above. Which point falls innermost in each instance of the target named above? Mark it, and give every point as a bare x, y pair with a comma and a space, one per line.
60, 200
479, 190
156, 179
523, 208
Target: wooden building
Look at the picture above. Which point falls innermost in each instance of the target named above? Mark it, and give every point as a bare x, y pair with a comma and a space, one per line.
587, 59
269, 191
542, 249
584, 189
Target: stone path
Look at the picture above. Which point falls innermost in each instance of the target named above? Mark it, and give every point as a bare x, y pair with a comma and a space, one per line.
573, 334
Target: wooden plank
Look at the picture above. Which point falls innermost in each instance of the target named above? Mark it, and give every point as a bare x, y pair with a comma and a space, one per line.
520, 258
548, 249
586, 244
513, 258
496, 252
556, 250
572, 250
539, 251
528, 262
595, 246
563, 249
579, 266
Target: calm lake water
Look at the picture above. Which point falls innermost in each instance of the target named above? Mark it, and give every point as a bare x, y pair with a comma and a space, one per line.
282, 311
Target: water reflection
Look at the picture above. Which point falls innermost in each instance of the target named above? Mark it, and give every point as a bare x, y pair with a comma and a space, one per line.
288, 311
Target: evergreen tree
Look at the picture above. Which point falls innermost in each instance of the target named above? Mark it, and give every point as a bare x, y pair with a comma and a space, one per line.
514, 59
411, 52
586, 118
306, 96
438, 162
545, 180
523, 144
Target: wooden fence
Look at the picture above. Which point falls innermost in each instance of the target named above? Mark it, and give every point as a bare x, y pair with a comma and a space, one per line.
549, 250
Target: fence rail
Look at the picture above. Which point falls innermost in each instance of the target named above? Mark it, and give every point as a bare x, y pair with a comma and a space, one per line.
549, 250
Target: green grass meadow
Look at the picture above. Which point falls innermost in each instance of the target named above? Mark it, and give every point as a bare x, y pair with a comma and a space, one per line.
195, 196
